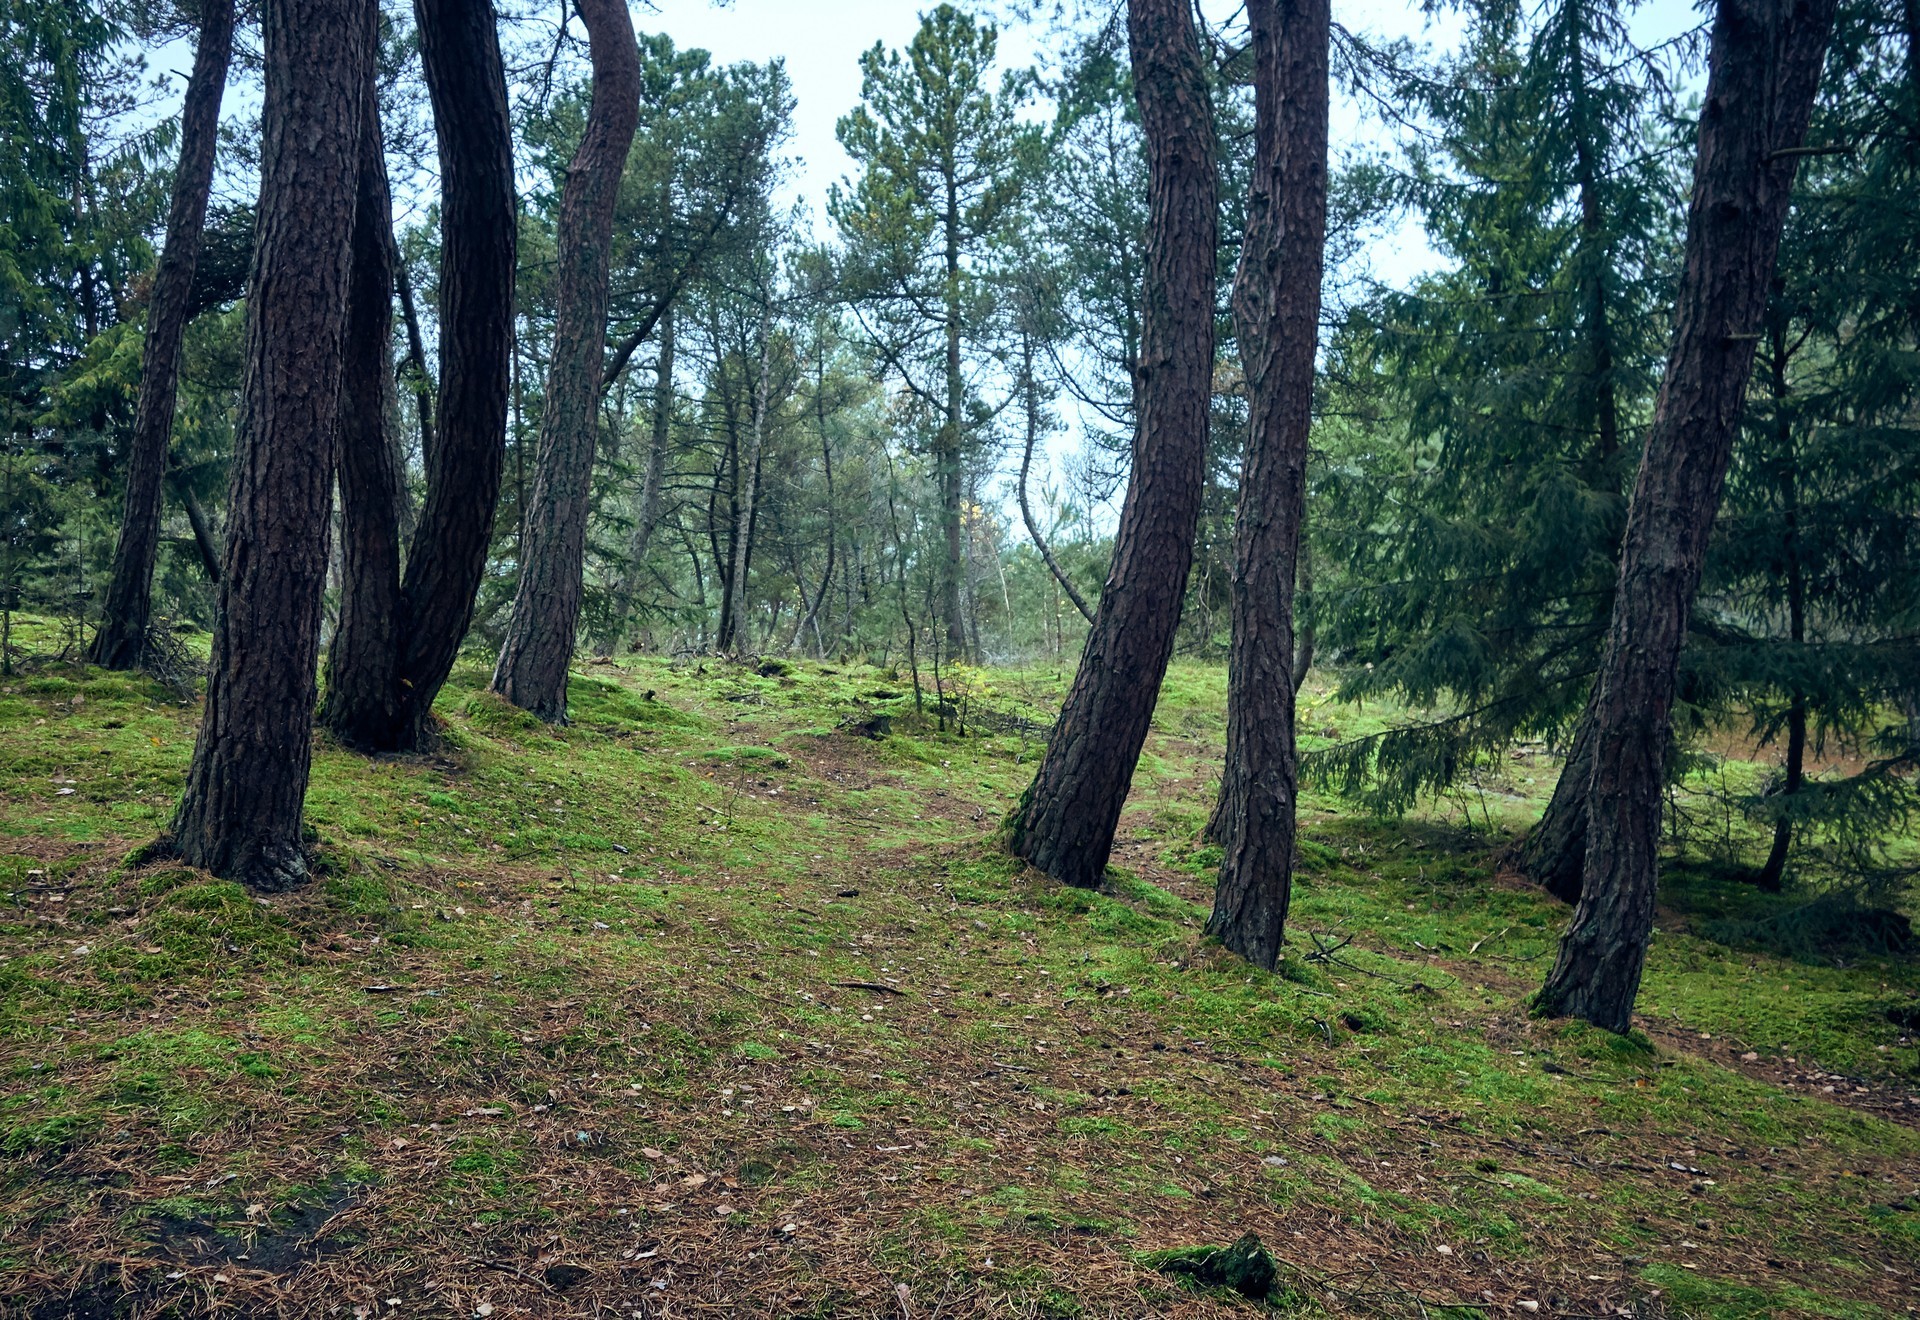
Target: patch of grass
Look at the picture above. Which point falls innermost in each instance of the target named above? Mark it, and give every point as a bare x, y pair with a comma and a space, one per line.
590, 986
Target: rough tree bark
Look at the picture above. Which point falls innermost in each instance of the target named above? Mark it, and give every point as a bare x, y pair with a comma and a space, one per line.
1276, 313
532, 669
387, 705
1763, 71
121, 641
363, 698
1066, 823
240, 814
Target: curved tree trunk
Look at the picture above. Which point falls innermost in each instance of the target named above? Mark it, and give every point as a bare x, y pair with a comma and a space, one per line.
362, 703
1764, 69
532, 669
381, 704
1065, 826
122, 639
240, 814
1276, 313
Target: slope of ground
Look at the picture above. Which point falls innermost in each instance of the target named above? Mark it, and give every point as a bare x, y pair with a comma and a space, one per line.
709, 1005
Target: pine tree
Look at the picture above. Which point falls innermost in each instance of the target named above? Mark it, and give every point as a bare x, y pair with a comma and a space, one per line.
1487, 419
1810, 615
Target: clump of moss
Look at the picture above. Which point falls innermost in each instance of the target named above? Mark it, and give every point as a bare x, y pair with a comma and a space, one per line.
1246, 1267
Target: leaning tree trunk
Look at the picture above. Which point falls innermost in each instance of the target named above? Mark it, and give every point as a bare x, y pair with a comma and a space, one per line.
122, 639
1764, 69
363, 696
647, 519
1065, 826
532, 669
1276, 313
240, 815
1555, 849
388, 706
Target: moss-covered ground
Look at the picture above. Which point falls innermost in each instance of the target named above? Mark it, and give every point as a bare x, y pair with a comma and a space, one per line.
709, 1005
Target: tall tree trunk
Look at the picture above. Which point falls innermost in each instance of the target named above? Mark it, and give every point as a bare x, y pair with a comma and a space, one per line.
812, 619
532, 669
1276, 313
948, 447
746, 506
373, 703
1773, 873
1030, 395
1764, 69
647, 517
1066, 823
240, 814
362, 699
122, 639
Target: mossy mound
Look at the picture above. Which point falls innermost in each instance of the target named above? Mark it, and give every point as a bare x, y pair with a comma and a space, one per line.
1246, 1267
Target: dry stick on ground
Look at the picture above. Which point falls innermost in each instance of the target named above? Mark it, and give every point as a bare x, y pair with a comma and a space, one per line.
121, 641
1066, 824
1764, 69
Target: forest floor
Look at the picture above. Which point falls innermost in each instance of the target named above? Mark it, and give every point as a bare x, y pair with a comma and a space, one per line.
708, 1005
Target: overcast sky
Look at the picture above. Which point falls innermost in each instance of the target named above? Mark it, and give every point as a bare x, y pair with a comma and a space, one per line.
822, 40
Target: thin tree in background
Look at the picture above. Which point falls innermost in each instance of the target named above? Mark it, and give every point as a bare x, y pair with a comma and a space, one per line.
646, 517
1764, 68
121, 640
1276, 312
240, 814
380, 698
1065, 824
532, 668
941, 176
